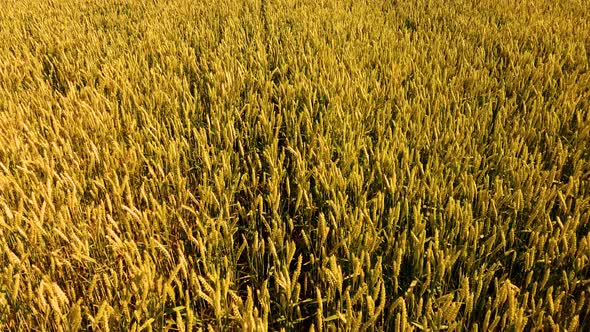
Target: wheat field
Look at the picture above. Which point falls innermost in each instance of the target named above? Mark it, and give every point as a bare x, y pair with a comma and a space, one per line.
268, 165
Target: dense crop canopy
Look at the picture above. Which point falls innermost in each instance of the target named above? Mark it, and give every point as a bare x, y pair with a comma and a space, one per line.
273, 164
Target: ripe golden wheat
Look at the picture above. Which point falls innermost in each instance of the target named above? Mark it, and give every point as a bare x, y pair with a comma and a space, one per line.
294, 165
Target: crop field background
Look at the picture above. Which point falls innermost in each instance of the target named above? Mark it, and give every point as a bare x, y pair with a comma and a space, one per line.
294, 165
